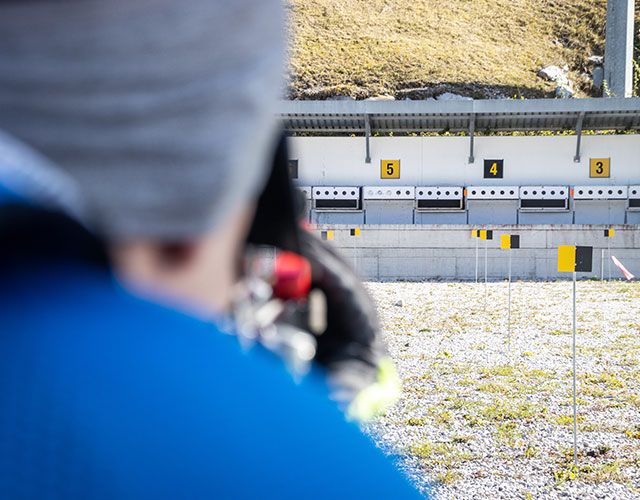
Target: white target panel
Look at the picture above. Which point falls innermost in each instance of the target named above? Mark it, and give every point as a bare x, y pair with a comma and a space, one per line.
492, 192
544, 192
336, 197
388, 193
544, 197
439, 192
600, 192
439, 198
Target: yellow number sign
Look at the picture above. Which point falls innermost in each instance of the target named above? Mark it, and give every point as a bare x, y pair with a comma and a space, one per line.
493, 169
389, 169
600, 167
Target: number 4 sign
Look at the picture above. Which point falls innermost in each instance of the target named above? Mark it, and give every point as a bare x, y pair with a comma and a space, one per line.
493, 169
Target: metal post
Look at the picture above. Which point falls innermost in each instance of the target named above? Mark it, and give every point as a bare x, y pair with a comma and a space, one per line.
367, 134
355, 256
602, 266
618, 52
576, 158
575, 405
472, 131
476, 260
609, 259
509, 307
485, 275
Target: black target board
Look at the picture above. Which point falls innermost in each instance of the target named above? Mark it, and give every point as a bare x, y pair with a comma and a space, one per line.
584, 259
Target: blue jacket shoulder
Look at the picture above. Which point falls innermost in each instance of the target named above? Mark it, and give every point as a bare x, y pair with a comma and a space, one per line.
106, 396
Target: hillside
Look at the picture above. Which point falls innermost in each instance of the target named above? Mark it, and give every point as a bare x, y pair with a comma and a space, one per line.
478, 48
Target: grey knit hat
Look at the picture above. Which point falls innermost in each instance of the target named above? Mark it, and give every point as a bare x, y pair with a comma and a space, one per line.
161, 111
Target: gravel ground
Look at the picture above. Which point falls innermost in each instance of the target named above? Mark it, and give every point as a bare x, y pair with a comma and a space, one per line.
488, 415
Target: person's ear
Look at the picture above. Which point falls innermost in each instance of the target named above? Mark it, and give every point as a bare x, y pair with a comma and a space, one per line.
170, 256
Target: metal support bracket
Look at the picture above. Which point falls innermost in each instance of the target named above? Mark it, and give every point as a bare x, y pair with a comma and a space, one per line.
472, 131
367, 135
576, 158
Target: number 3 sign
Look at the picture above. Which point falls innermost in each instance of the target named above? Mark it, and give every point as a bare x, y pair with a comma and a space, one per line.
389, 169
600, 167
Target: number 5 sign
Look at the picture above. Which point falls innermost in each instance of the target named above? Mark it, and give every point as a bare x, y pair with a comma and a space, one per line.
389, 169
600, 167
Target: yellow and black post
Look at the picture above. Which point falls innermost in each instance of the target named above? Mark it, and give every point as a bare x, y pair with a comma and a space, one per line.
355, 231
326, 235
575, 259
475, 233
486, 235
507, 242
608, 233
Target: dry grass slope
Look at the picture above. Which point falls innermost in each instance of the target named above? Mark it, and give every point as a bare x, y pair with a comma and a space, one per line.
481, 48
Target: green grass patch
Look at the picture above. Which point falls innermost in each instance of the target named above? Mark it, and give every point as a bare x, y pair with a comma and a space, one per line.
495, 388
507, 410
605, 379
558, 332
508, 434
448, 477
499, 371
416, 421
443, 418
633, 433
440, 453
567, 419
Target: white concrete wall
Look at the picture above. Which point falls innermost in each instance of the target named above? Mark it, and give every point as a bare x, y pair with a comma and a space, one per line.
444, 160
416, 252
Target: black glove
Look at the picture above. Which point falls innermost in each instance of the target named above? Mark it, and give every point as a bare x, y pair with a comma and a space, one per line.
351, 348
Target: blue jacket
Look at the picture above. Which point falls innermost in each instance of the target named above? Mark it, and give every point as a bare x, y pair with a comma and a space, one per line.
104, 395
